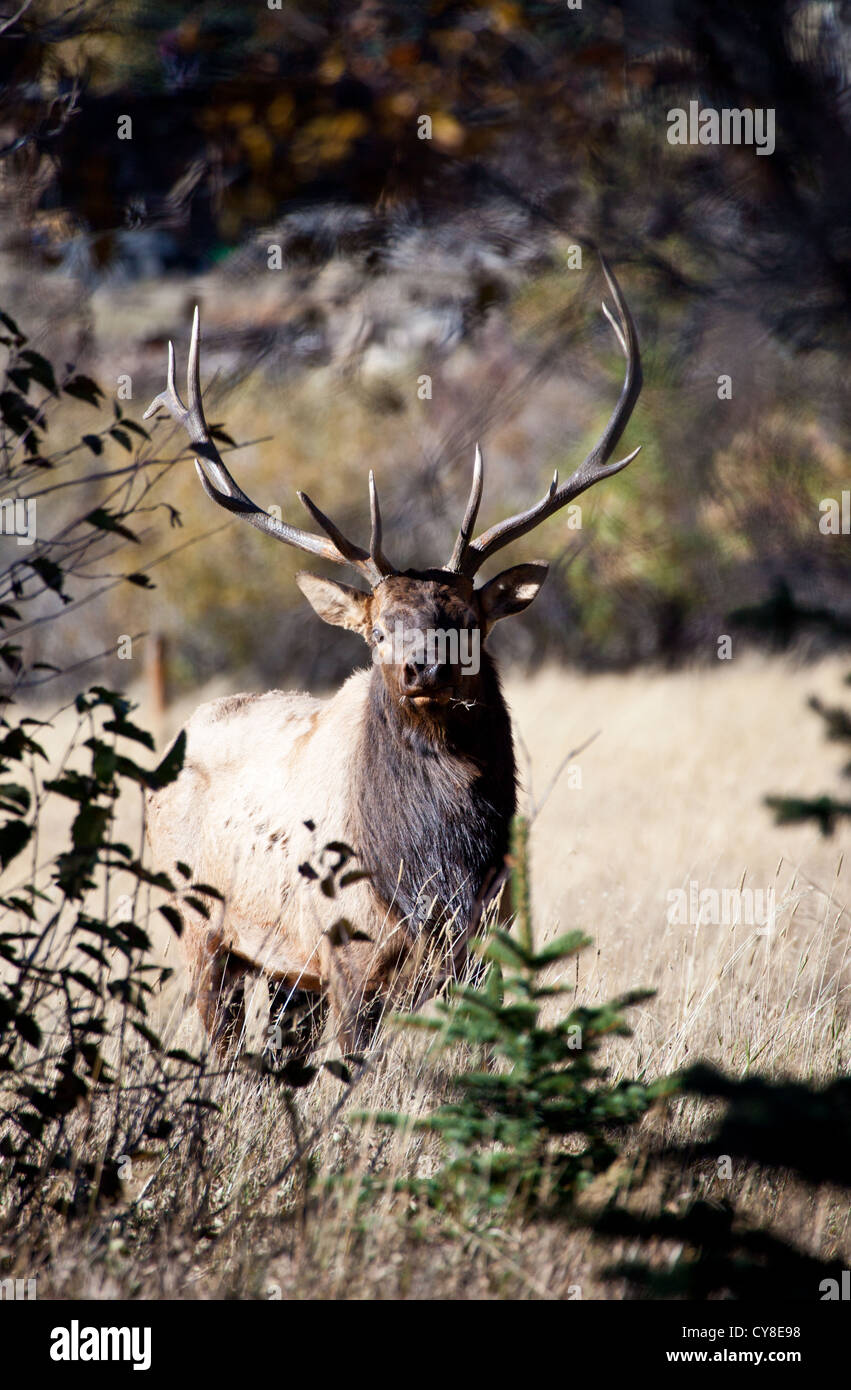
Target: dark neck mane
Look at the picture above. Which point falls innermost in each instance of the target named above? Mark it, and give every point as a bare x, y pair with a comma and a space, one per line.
434, 797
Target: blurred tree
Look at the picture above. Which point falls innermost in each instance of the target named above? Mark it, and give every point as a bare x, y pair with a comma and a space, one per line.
824, 810
566, 108
382, 143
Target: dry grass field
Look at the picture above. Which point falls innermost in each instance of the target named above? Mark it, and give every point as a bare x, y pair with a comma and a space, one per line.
668, 795
671, 796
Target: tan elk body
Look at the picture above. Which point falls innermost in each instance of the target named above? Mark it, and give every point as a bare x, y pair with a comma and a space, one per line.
411, 763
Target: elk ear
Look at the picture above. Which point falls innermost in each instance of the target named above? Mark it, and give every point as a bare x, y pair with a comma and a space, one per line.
511, 591
338, 604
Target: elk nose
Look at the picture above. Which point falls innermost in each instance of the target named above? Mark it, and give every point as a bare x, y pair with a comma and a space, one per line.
425, 675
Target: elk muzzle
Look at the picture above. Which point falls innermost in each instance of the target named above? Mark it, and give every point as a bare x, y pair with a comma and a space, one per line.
426, 681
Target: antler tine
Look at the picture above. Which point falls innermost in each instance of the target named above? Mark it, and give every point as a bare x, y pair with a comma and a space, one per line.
376, 554
169, 397
196, 422
594, 467
351, 553
616, 326
223, 488
191, 418
456, 561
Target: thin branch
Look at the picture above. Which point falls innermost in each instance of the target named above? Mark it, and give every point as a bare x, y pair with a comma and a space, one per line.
7, 23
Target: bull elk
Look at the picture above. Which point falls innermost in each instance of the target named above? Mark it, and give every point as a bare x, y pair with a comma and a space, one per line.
411, 763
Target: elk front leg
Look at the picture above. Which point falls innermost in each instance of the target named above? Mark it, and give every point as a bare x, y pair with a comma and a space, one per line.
220, 981
354, 1001
363, 981
296, 1020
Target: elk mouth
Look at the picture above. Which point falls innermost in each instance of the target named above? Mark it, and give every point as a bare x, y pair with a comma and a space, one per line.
427, 697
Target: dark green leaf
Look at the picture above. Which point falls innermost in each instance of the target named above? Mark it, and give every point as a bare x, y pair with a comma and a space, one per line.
28, 1029
339, 1069
295, 1074
84, 389
128, 730
105, 521
17, 412
9, 322
148, 1034
51, 573
14, 797
173, 917
39, 368
122, 437
15, 835
89, 827
170, 767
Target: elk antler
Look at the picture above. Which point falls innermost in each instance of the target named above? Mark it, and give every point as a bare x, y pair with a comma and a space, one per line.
468, 556
225, 490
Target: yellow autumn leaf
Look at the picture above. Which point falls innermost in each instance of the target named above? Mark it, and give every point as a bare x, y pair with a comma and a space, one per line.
279, 114
258, 144
240, 113
332, 68
446, 131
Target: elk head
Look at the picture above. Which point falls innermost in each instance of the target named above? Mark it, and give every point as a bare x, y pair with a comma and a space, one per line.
425, 628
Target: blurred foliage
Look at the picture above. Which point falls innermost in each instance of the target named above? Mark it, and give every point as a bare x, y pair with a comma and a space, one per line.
86, 1082
824, 810
49, 566
68, 965
74, 968
301, 126
237, 111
